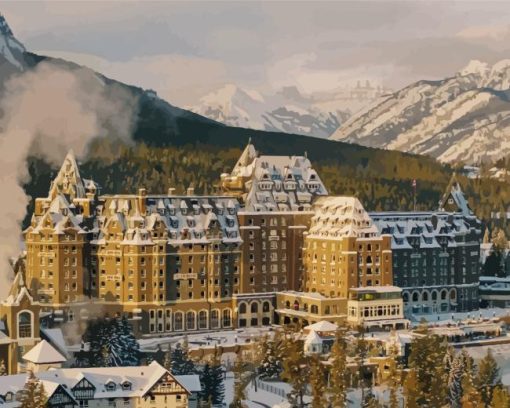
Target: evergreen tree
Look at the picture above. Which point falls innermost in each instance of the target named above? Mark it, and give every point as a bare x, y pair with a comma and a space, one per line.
427, 358
217, 383
129, 347
471, 397
3, 369
34, 395
111, 344
206, 383
394, 379
411, 392
337, 379
361, 349
167, 363
500, 398
295, 370
317, 383
239, 382
488, 377
181, 362
455, 382
270, 358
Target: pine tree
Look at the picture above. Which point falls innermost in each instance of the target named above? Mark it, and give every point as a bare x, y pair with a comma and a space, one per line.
361, 349
488, 377
33, 395
270, 358
206, 383
455, 382
295, 370
411, 392
239, 382
370, 400
500, 398
337, 380
394, 379
471, 397
427, 358
181, 363
317, 383
3, 369
217, 383
129, 347
167, 363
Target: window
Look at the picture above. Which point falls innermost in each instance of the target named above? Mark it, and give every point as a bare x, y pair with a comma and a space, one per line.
227, 320
190, 320
202, 319
178, 321
110, 386
215, 315
24, 325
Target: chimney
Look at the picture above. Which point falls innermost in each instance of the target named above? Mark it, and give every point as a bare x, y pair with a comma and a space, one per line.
171, 191
190, 191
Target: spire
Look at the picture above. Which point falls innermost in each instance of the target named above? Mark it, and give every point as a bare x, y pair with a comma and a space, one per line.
249, 154
68, 180
453, 199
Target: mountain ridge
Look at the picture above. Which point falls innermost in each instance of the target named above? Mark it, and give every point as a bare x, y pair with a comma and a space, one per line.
441, 118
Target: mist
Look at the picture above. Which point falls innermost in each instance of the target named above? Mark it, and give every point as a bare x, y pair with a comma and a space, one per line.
45, 112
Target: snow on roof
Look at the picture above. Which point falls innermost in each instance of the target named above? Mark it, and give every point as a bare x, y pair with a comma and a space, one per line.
44, 353
277, 183
322, 326
190, 382
313, 338
56, 339
341, 216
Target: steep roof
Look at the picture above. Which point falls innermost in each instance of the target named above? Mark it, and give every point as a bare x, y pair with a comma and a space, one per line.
338, 216
454, 191
44, 353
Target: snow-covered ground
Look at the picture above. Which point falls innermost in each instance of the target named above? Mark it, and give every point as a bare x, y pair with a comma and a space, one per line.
446, 318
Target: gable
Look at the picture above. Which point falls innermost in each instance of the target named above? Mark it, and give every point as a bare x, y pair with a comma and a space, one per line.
167, 384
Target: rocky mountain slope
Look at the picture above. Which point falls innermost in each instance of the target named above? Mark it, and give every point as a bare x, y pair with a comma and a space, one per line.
465, 118
287, 110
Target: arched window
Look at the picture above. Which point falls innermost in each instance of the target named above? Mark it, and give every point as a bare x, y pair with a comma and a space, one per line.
202, 319
254, 307
296, 305
227, 318
453, 294
215, 319
190, 320
242, 307
24, 324
425, 296
405, 296
434, 295
415, 296
266, 307
178, 321
287, 304
443, 294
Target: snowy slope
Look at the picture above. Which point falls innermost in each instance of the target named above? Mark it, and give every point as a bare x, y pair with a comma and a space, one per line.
462, 118
11, 50
284, 111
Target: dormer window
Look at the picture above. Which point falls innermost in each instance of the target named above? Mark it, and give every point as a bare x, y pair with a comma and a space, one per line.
110, 386
126, 385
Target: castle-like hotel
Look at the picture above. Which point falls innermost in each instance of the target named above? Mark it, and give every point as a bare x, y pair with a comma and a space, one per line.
272, 247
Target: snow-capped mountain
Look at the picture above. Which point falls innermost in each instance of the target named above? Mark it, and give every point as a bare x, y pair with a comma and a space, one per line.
462, 118
287, 111
11, 50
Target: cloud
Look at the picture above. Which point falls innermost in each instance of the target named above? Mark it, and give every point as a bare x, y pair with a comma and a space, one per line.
179, 79
45, 112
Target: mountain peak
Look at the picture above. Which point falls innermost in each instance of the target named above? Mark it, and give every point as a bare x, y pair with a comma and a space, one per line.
475, 67
4, 27
10, 48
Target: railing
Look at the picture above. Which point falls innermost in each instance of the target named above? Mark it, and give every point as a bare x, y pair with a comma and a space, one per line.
271, 388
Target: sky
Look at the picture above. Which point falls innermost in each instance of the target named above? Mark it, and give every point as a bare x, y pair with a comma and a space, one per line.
184, 50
